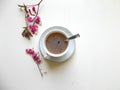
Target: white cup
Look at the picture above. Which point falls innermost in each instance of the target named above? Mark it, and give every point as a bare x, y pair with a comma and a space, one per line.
48, 53
66, 54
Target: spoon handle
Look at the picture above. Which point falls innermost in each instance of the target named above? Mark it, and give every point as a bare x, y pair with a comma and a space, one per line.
73, 37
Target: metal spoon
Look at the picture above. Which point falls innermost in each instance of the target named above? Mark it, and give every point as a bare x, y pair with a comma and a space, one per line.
73, 37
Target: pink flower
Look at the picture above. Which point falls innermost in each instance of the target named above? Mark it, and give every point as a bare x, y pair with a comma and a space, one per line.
33, 8
33, 28
27, 15
38, 60
34, 55
37, 19
29, 51
29, 19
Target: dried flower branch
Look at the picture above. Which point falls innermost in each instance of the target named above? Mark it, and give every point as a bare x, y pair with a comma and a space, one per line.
32, 19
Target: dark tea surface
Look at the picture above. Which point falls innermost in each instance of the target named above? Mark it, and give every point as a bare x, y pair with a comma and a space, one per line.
56, 43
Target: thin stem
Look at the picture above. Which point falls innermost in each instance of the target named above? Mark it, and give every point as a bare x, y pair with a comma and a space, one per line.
40, 70
34, 4
26, 20
37, 11
40, 2
26, 12
35, 15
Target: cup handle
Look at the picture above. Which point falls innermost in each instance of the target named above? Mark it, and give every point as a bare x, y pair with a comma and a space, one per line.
46, 56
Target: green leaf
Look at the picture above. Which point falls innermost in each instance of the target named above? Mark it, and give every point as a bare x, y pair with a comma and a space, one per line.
26, 33
21, 6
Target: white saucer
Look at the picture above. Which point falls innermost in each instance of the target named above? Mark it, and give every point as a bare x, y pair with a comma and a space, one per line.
67, 55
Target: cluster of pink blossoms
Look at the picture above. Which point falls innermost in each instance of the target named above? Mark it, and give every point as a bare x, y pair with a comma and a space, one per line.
34, 55
32, 19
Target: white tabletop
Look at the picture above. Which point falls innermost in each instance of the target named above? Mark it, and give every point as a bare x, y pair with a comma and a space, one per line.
95, 64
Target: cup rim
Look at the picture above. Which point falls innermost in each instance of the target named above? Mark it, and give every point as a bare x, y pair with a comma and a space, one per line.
52, 54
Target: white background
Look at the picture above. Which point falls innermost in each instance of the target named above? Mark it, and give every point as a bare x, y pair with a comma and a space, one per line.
96, 62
